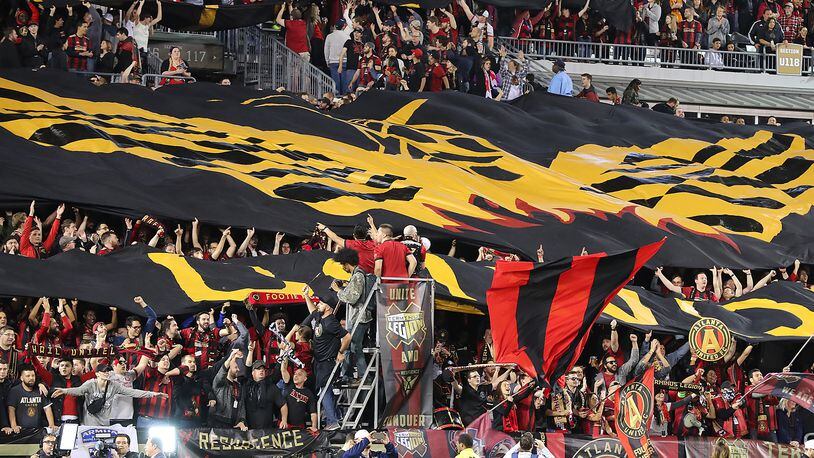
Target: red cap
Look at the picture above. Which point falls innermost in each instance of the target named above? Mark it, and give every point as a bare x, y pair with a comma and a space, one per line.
96, 326
418, 52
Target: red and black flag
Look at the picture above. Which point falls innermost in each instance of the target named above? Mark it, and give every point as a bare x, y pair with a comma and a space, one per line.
541, 313
633, 407
794, 386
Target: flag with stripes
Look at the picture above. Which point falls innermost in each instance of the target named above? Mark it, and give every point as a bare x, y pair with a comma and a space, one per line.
541, 313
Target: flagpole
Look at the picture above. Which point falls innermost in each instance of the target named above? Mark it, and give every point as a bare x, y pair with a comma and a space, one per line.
800, 351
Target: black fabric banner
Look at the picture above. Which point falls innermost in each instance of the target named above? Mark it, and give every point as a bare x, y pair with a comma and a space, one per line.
607, 178
175, 285
780, 311
187, 17
233, 443
405, 322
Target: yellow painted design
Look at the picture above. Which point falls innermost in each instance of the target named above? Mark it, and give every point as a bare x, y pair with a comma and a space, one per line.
440, 187
193, 285
442, 272
208, 14
806, 316
642, 315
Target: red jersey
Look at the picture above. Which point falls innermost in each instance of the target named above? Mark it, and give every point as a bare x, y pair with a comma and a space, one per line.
156, 407
693, 294
365, 70
296, 37
394, 258
365, 249
435, 75
204, 346
30, 251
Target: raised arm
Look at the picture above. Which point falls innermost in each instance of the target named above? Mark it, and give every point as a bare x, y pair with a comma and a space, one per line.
159, 15
195, 234
160, 232
305, 294
245, 245
466, 9
278, 238
666, 282
765, 280
138, 11
221, 243
736, 281
744, 354
130, 10
614, 337
230, 252
750, 284
452, 23
331, 234
279, 20
179, 240
584, 9
717, 282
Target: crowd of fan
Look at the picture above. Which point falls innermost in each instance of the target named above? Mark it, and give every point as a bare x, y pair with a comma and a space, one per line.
84, 40
455, 48
239, 367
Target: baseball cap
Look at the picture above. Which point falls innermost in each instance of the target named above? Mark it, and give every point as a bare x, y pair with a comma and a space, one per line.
560, 63
108, 17
258, 365
389, 23
65, 240
103, 368
418, 52
340, 24
789, 4
362, 434
97, 325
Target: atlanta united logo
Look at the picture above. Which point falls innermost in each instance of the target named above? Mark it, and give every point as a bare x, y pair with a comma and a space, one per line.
405, 326
410, 443
710, 339
635, 406
601, 448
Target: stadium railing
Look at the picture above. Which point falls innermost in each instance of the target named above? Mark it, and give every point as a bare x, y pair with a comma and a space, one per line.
651, 56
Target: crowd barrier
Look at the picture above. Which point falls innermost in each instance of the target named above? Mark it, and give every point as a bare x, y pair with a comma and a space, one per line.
426, 443
651, 56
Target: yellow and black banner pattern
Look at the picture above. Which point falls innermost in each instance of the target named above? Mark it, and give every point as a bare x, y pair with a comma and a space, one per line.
454, 165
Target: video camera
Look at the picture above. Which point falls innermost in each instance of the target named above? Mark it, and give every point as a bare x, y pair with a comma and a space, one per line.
104, 445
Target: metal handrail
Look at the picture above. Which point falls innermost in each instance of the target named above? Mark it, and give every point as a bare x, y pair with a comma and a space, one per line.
268, 64
338, 365
650, 56
157, 77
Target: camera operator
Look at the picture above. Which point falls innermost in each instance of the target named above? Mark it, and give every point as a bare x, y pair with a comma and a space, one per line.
122, 444
47, 447
364, 439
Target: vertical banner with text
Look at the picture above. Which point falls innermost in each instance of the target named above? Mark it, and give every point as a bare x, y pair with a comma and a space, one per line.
405, 319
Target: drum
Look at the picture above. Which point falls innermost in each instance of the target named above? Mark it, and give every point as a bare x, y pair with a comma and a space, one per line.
446, 418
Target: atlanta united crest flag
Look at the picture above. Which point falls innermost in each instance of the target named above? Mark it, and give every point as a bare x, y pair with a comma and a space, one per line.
541, 313
633, 407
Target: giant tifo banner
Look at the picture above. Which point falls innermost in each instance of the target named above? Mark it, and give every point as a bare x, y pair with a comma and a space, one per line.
441, 444
506, 175
233, 443
405, 322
